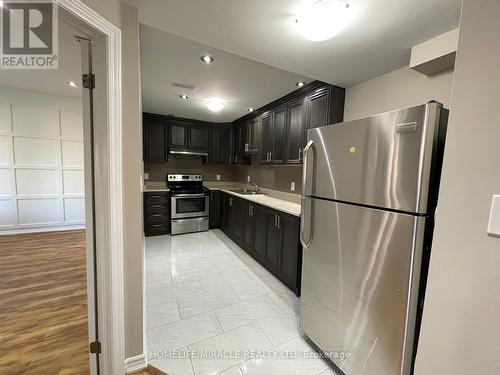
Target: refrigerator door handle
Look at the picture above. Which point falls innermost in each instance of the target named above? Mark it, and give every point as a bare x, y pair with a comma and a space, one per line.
306, 203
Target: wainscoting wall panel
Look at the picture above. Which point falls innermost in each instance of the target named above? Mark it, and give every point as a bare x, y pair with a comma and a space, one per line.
41, 161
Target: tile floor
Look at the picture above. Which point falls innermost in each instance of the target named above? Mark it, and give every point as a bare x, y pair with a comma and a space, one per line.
211, 309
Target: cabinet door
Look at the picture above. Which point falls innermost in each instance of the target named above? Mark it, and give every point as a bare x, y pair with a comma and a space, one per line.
229, 218
259, 240
178, 135
278, 135
197, 138
267, 136
224, 204
225, 145
239, 218
249, 227
271, 254
213, 145
155, 139
319, 109
289, 258
296, 132
254, 135
214, 221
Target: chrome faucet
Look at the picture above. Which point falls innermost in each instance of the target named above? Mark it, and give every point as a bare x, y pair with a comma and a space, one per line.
256, 187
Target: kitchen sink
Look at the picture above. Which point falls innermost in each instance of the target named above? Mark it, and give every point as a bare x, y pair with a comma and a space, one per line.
245, 191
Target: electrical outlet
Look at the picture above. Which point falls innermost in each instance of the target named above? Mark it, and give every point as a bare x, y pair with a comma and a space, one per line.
218, 177
146, 176
248, 178
292, 186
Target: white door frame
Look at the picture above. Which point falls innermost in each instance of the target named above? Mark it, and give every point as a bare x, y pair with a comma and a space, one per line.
108, 194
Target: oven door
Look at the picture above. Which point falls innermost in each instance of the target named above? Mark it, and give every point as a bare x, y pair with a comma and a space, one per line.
190, 205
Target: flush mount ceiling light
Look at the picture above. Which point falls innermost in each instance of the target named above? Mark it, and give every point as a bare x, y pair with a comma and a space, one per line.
300, 84
185, 97
71, 83
250, 109
215, 104
319, 20
207, 59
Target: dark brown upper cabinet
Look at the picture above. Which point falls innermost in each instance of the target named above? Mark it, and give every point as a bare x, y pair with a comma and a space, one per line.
185, 137
155, 133
296, 128
319, 109
275, 133
266, 143
279, 133
219, 144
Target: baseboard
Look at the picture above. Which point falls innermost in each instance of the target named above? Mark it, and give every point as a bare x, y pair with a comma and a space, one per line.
41, 229
135, 363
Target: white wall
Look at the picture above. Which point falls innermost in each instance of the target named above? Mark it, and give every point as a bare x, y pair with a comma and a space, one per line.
460, 328
41, 161
395, 90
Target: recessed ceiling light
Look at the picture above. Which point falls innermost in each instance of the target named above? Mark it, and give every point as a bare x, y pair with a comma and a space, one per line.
185, 97
215, 104
71, 83
323, 19
207, 59
250, 109
300, 84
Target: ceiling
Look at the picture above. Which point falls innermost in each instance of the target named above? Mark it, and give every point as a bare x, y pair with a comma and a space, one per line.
239, 82
377, 40
51, 81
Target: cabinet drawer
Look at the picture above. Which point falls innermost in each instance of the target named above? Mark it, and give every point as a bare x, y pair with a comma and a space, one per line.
156, 229
151, 199
155, 210
157, 220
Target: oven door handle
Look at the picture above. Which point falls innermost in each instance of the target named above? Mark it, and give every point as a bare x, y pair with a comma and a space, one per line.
189, 195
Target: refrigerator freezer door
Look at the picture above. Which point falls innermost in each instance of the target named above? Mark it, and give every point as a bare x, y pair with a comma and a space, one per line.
382, 161
360, 286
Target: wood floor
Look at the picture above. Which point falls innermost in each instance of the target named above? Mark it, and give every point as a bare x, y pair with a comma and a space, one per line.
43, 304
150, 370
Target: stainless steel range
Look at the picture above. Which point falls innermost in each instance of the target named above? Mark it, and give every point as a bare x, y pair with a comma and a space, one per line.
190, 203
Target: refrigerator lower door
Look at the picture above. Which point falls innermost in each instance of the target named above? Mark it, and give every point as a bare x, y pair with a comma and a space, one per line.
360, 286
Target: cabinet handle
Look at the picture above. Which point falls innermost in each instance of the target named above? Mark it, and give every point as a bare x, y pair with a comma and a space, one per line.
156, 196
276, 221
156, 215
246, 147
236, 159
230, 202
300, 154
157, 225
270, 156
252, 210
279, 222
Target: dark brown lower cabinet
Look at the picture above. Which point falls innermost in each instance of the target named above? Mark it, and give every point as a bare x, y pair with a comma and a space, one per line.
215, 210
248, 226
156, 213
271, 237
290, 251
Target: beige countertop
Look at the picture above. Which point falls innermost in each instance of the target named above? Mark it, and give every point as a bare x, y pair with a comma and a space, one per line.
285, 202
151, 187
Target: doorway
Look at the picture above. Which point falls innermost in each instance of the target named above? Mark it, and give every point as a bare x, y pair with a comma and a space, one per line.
56, 278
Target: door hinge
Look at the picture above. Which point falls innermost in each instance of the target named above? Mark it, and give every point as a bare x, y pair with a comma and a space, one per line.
88, 81
95, 347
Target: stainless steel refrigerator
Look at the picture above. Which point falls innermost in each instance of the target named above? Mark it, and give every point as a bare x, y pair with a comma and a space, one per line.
369, 195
